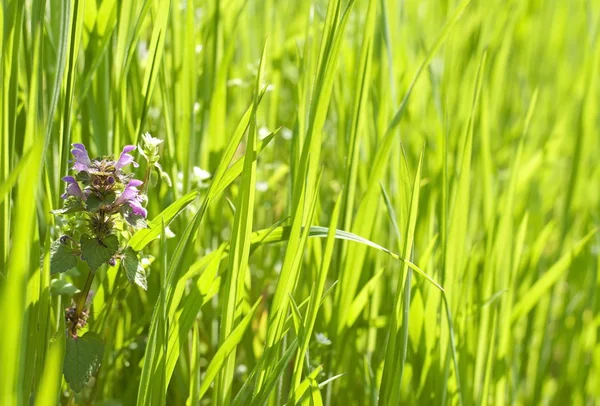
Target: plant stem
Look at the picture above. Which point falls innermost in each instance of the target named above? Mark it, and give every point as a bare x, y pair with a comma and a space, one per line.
84, 293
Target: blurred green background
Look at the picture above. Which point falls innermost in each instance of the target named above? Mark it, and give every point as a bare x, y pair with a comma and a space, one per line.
461, 136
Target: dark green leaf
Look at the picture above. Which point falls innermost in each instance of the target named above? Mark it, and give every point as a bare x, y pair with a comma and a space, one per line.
94, 202
133, 268
82, 359
61, 258
71, 205
96, 251
83, 176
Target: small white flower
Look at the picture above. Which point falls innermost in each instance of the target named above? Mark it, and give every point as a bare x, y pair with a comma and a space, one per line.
196, 107
262, 186
198, 48
150, 140
263, 132
147, 261
142, 49
169, 233
154, 112
286, 133
200, 174
322, 339
235, 82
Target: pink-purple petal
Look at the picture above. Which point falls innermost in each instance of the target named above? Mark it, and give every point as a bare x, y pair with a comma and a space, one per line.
125, 158
135, 183
82, 160
127, 195
128, 148
73, 188
137, 208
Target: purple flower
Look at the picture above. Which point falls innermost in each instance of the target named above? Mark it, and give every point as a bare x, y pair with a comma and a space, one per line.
73, 188
125, 158
131, 196
82, 160
137, 208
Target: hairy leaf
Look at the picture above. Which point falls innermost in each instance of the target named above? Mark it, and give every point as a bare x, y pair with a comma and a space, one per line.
133, 268
62, 258
96, 251
82, 359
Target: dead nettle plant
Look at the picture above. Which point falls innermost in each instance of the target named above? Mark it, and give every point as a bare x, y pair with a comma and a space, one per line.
104, 205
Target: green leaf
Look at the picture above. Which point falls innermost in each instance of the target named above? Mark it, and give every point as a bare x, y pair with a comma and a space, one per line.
153, 178
82, 359
94, 203
143, 237
62, 287
61, 258
133, 268
96, 251
225, 349
71, 205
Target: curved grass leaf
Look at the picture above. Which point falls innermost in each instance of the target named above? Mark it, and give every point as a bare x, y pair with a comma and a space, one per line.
143, 237
229, 344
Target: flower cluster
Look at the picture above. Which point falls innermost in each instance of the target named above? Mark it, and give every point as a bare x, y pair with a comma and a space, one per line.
104, 179
103, 206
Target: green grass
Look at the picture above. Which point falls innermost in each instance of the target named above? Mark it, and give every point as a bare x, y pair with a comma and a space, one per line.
403, 203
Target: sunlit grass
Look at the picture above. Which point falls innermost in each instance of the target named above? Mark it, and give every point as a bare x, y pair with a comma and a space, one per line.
372, 202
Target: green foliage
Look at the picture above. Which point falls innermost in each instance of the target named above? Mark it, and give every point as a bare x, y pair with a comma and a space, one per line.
95, 203
371, 202
71, 205
96, 251
62, 258
83, 356
133, 268
63, 287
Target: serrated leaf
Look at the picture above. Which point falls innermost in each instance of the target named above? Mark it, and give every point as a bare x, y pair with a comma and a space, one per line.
96, 252
94, 203
82, 359
134, 269
71, 205
62, 287
61, 258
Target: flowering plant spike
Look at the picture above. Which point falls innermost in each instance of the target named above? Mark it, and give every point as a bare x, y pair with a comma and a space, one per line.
103, 206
